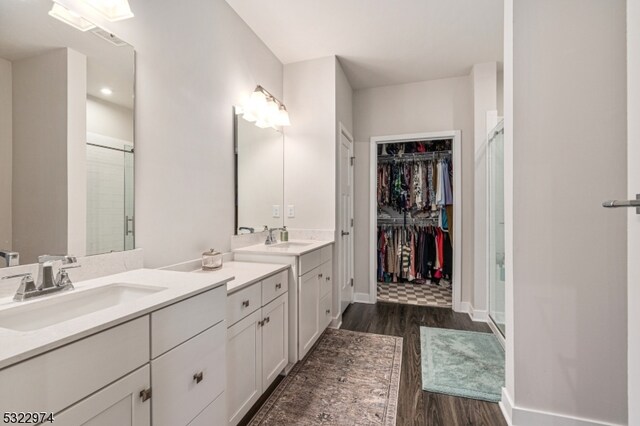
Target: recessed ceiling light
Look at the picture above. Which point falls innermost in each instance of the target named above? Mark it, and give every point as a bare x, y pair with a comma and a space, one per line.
113, 10
106, 91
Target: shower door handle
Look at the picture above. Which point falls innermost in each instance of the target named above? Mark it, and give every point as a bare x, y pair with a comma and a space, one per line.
129, 230
624, 203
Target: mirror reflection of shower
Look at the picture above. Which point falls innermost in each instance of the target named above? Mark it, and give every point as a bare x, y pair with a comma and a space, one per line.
110, 190
496, 227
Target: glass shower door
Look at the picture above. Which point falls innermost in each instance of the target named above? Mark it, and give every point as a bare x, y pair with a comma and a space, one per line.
496, 227
129, 226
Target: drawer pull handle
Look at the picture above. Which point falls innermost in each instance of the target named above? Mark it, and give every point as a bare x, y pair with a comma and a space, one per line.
319, 275
278, 286
145, 394
261, 323
267, 319
328, 311
245, 303
328, 278
198, 377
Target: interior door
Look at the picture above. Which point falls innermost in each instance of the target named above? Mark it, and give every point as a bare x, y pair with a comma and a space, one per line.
345, 273
633, 219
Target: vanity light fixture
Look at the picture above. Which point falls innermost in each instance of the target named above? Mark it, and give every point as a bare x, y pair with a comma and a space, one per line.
112, 10
264, 109
106, 91
70, 17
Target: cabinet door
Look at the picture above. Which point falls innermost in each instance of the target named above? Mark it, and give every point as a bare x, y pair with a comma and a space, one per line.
308, 311
188, 378
117, 404
244, 366
326, 281
325, 312
275, 346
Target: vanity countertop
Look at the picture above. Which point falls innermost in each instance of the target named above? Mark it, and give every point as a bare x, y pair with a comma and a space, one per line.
295, 248
16, 346
245, 273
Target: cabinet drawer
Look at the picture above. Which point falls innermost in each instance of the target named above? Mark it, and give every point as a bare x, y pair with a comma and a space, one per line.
325, 312
243, 303
326, 280
57, 379
326, 253
214, 414
177, 396
181, 321
309, 261
274, 286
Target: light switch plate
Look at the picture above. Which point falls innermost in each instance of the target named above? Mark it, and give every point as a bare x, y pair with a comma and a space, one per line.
291, 210
275, 210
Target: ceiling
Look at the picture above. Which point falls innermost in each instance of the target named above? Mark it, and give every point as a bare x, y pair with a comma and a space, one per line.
381, 42
27, 30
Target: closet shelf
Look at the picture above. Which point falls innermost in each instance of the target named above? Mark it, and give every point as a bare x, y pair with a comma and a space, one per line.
419, 156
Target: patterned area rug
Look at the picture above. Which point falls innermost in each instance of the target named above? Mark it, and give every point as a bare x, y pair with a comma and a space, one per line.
462, 363
415, 294
348, 378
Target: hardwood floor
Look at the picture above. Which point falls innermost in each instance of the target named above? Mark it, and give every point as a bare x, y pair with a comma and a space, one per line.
415, 406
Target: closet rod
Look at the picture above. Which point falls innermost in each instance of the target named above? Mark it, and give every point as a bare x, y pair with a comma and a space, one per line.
414, 157
409, 221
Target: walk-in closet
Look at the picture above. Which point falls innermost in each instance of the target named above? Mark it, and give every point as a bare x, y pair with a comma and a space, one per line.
415, 221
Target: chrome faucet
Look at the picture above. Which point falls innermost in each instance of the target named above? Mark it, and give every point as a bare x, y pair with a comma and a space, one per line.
271, 239
52, 278
11, 258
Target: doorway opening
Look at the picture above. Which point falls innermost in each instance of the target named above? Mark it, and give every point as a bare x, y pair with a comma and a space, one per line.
415, 235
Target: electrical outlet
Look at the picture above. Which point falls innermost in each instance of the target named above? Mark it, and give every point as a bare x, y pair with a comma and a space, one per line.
291, 210
275, 210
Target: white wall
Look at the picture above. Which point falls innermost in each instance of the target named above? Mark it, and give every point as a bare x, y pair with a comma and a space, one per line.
39, 200
633, 220
569, 259
427, 106
109, 119
6, 142
484, 79
76, 153
194, 62
310, 143
500, 90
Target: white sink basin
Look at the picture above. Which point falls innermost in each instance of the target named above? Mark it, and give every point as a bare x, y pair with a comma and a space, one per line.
69, 305
289, 244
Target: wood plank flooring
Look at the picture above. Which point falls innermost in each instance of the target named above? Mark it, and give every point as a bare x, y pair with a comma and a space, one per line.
415, 406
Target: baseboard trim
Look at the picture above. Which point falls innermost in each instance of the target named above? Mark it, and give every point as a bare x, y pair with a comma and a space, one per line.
362, 298
474, 314
518, 416
506, 406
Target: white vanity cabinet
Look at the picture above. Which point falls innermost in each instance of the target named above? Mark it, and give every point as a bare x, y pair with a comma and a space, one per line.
257, 341
314, 297
117, 404
310, 292
166, 367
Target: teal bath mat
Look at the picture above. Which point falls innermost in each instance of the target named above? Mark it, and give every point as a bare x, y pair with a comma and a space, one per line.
462, 363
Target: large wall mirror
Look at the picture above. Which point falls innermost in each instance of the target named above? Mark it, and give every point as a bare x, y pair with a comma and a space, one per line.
66, 136
259, 177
